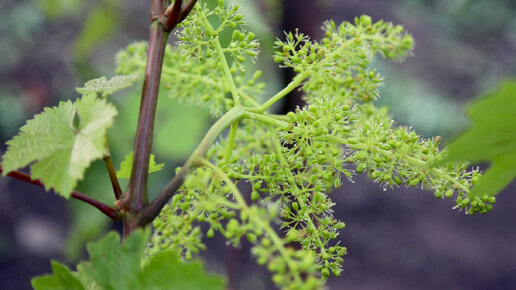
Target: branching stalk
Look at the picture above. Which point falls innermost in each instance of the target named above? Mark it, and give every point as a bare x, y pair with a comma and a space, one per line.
298, 79
152, 210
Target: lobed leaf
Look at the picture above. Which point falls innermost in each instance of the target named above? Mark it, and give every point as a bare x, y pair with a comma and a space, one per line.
62, 141
116, 267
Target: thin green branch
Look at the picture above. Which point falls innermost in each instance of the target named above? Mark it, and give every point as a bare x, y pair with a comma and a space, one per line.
267, 119
231, 142
152, 210
298, 79
227, 72
222, 59
236, 192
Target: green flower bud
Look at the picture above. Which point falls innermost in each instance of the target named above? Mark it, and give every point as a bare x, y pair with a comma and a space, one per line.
210, 233
325, 272
251, 237
255, 195
413, 182
361, 167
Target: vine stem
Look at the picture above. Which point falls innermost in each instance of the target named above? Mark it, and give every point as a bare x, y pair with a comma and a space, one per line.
136, 196
164, 18
102, 207
117, 190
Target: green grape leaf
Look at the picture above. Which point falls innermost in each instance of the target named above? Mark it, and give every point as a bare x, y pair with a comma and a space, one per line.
116, 267
104, 87
492, 137
63, 141
127, 165
101, 23
56, 9
63, 279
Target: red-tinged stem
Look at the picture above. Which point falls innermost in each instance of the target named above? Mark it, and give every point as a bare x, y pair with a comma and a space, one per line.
117, 190
136, 196
104, 208
174, 15
187, 9
162, 23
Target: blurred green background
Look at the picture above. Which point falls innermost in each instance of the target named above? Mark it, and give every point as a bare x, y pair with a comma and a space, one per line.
463, 49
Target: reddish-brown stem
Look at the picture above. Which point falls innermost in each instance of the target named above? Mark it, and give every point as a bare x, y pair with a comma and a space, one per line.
174, 15
112, 176
162, 23
187, 9
104, 208
136, 198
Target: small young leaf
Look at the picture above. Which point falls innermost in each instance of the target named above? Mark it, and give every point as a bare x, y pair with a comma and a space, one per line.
62, 149
127, 165
104, 87
492, 137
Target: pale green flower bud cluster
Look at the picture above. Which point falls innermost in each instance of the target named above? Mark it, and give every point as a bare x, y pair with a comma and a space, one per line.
392, 156
339, 63
289, 163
